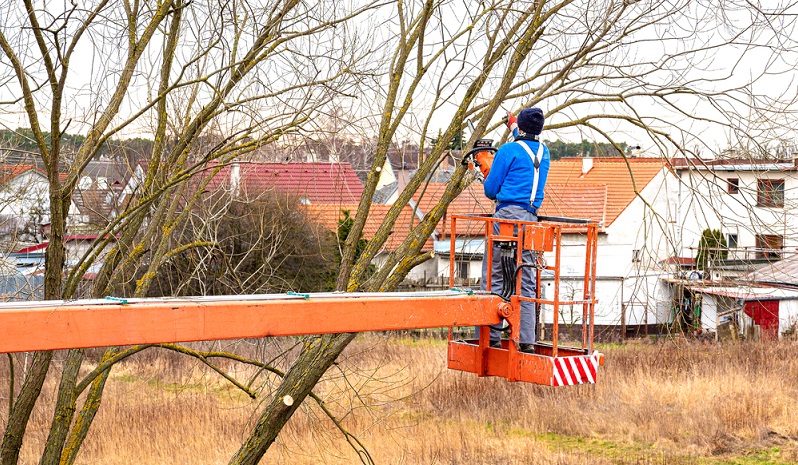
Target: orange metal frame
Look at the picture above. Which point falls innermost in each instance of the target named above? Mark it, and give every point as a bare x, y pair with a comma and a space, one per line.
543, 367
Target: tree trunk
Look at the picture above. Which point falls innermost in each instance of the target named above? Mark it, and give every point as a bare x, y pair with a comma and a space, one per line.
317, 356
64, 409
23, 406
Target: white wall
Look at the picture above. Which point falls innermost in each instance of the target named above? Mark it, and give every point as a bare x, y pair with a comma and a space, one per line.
609, 293
705, 203
788, 315
636, 301
647, 225
711, 305
27, 198
26, 193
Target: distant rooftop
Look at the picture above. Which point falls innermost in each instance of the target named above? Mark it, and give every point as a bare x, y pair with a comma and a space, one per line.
332, 183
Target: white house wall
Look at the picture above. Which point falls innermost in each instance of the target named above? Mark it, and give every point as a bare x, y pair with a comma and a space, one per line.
609, 293
788, 316
647, 225
421, 272
636, 301
705, 203
438, 269
648, 299
709, 313
24, 194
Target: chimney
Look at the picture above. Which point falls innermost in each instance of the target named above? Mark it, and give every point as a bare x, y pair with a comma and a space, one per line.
587, 165
235, 177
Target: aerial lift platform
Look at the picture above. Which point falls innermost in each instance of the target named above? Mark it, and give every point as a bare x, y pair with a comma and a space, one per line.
53, 325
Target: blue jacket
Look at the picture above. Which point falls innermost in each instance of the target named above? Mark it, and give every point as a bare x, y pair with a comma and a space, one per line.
511, 174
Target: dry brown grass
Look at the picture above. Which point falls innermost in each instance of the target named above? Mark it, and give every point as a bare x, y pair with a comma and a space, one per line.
673, 402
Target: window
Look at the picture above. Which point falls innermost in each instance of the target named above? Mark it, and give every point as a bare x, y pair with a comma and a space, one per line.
636, 256
770, 193
731, 241
462, 269
733, 185
769, 246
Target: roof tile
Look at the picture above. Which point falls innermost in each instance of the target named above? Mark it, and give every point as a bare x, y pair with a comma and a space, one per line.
9, 172
620, 176
334, 183
316, 182
328, 216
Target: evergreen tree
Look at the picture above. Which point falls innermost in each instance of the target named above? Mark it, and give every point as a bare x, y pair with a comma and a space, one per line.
711, 247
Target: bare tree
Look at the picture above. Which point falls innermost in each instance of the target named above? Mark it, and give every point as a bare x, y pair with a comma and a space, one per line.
255, 244
231, 78
209, 80
591, 65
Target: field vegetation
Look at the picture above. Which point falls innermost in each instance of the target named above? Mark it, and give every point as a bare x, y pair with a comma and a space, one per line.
663, 402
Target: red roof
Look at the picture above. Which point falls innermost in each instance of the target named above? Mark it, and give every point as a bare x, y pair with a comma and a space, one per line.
8, 172
581, 201
619, 175
328, 216
588, 201
333, 183
33, 248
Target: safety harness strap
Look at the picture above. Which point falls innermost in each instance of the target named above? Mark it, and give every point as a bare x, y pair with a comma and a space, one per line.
536, 159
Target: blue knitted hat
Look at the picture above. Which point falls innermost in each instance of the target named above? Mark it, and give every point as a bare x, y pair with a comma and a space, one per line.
530, 120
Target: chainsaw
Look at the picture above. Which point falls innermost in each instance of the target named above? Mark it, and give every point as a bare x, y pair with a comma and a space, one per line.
481, 155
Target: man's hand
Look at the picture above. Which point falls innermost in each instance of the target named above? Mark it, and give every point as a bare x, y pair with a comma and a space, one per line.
512, 124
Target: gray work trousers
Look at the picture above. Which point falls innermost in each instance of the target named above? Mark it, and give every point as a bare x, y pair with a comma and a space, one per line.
528, 284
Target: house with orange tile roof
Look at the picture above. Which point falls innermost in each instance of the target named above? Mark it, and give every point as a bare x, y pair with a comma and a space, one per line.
634, 202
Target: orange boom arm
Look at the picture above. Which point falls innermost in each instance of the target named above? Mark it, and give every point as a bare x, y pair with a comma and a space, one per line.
49, 325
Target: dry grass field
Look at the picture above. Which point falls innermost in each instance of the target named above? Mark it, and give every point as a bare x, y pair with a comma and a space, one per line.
669, 402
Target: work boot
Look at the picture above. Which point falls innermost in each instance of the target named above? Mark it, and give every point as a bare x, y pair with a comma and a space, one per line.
496, 344
526, 348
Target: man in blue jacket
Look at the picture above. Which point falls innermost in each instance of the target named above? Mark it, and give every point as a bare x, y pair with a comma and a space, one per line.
516, 182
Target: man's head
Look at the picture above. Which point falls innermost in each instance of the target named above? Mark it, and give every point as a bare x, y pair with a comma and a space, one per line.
530, 120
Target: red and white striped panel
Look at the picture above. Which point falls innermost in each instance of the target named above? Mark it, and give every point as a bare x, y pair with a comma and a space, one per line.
581, 369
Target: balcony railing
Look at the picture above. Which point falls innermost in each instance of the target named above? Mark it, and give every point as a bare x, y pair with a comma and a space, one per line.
745, 254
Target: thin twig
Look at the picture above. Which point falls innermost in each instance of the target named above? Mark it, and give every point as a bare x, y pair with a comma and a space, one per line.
10, 385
